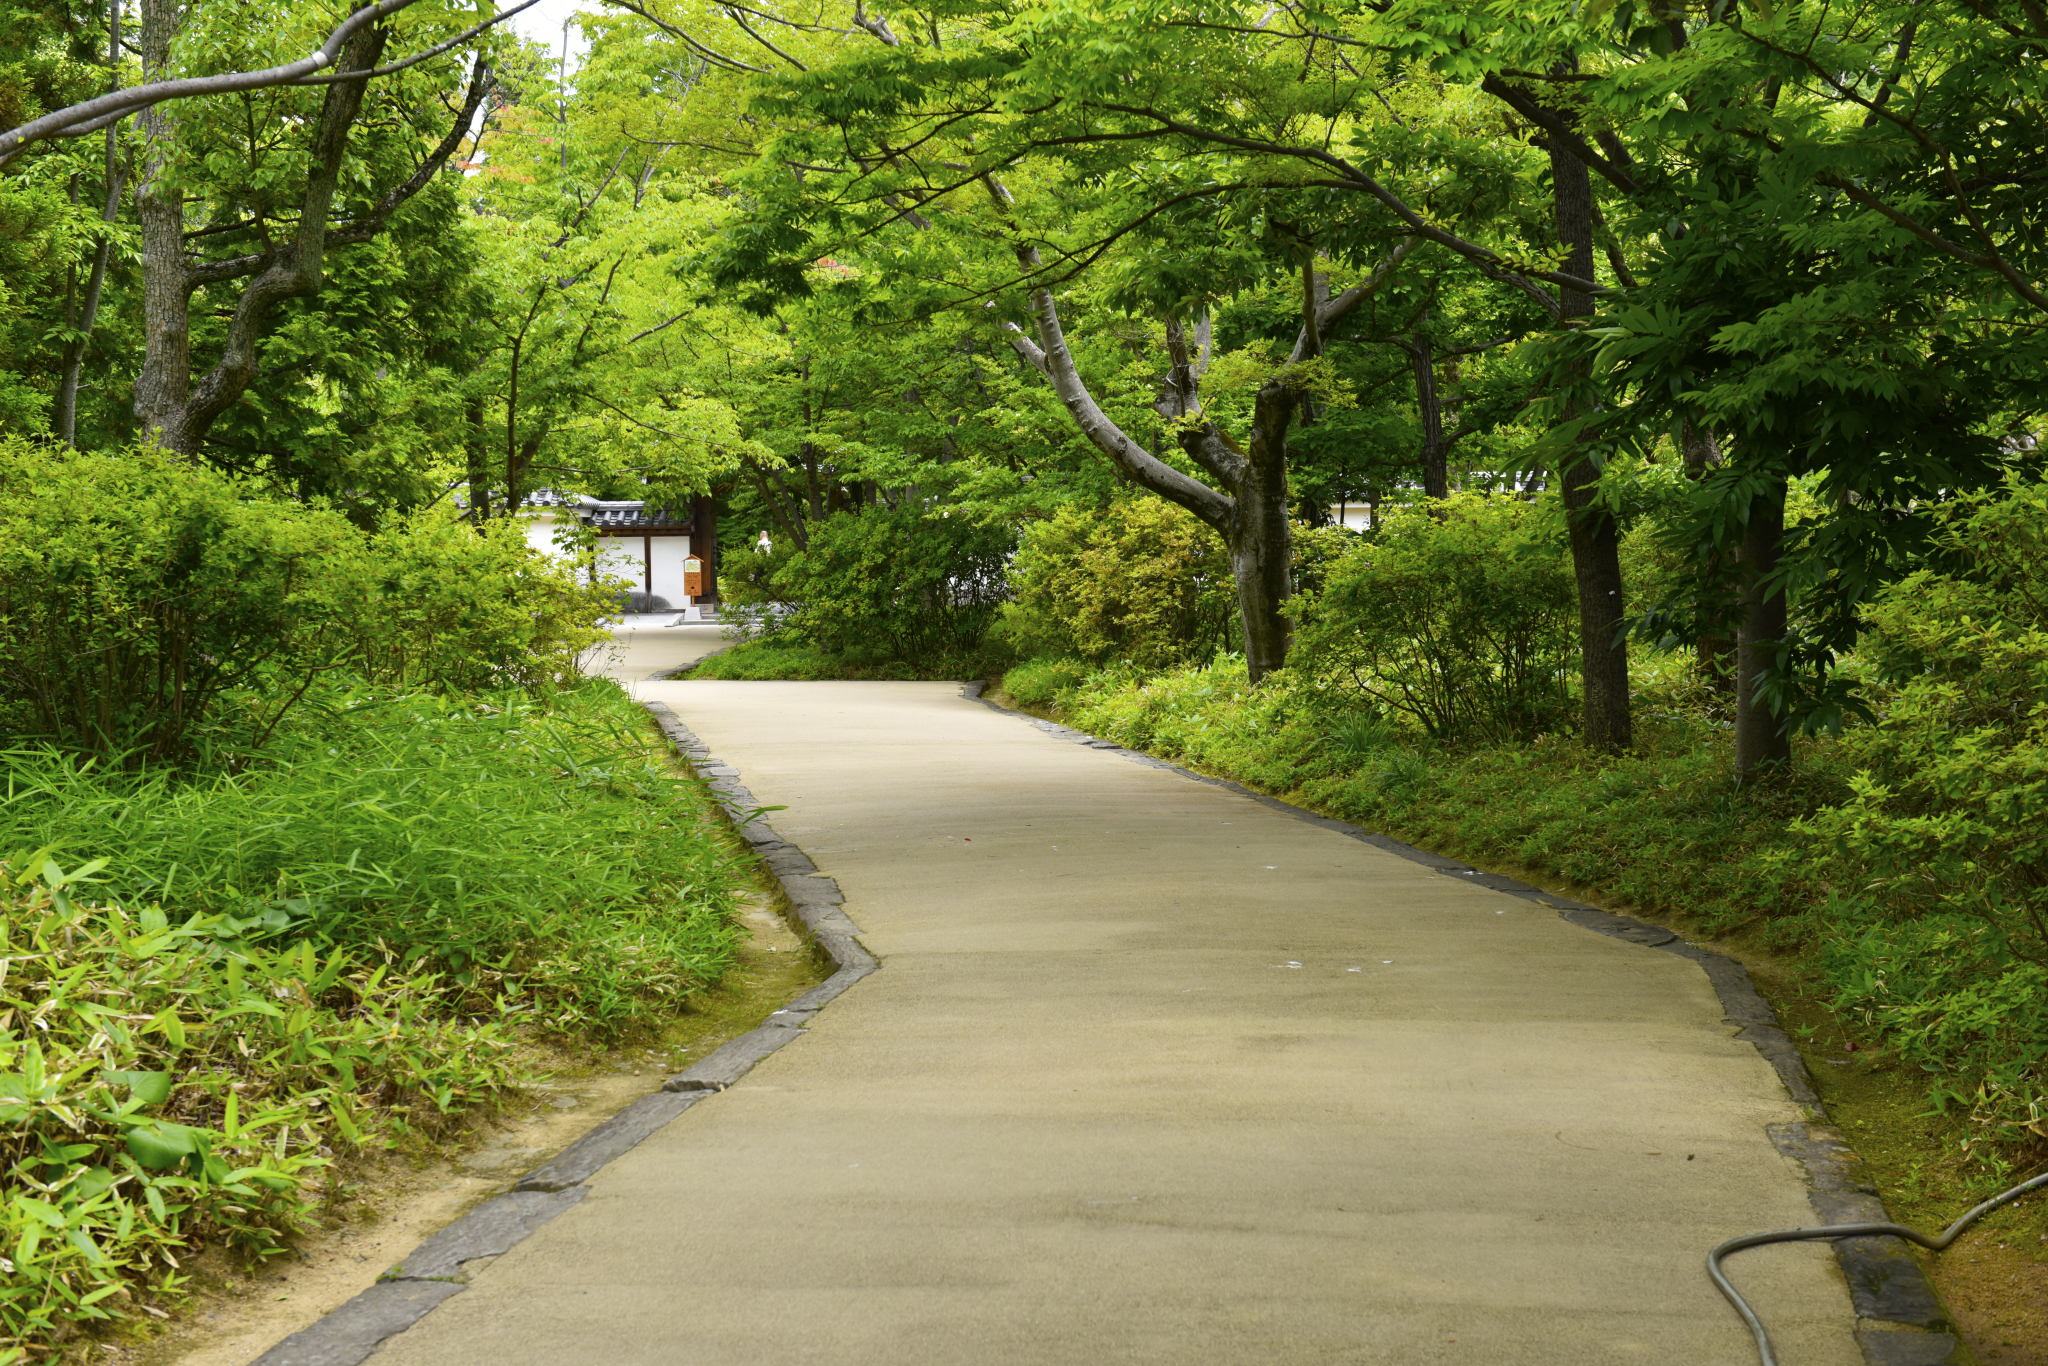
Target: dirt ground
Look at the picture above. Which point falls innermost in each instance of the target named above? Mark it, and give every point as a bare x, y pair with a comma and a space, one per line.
393, 1202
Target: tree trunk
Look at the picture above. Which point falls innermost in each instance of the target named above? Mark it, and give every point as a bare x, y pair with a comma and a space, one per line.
704, 543
1760, 736
1251, 516
171, 407
165, 382
1595, 538
1260, 538
1436, 478
478, 449
1714, 648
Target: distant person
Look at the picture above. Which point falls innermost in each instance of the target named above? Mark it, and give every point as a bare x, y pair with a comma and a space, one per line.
763, 545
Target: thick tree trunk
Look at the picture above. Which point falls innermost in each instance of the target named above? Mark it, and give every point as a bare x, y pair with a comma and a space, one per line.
1260, 537
175, 410
1760, 737
164, 384
1595, 539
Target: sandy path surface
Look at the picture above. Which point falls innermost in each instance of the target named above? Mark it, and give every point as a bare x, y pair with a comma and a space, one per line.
1154, 1073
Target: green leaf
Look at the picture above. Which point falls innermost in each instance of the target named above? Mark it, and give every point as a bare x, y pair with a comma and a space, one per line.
149, 1088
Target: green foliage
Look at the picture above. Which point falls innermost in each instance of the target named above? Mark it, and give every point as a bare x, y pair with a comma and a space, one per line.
1460, 616
1141, 581
775, 657
1040, 682
537, 854
165, 1086
436, 603
136, 592
1944, 939
902, 587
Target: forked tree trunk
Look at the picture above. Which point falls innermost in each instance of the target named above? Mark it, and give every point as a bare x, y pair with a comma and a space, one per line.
1595, 537
1247, 506
1260, 537
171, 407
1761, 740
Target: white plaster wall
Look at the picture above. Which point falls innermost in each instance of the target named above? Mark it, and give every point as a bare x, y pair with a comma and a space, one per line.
540, 531
621, 556
669, 554
1354, 516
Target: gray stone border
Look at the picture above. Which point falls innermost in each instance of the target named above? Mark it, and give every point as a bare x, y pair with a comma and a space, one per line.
1900, 1321
440, 1267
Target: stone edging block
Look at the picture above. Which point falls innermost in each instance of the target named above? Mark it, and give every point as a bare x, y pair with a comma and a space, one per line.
433, 1271
1899, 1318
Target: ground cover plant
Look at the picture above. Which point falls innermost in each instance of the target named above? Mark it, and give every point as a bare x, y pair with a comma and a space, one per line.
214, 980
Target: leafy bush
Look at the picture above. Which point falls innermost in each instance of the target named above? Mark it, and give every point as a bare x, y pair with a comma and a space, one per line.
137, 592
134, 591
1141, 581
897, 586
1039, 682
770, 657
1460, 615
433, 602
1945, 839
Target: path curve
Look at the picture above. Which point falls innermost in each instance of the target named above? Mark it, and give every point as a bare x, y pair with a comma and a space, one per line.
1152, 1072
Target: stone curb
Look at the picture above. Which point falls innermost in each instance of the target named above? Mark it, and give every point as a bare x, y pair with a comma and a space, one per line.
434, 1271
1899, 1318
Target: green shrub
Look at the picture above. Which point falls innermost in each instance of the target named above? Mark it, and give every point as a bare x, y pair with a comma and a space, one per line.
1461, 616
435, 602
1944, 939
137, 592
901, 586
1039, 682
134, 591
1141, 581
769, 657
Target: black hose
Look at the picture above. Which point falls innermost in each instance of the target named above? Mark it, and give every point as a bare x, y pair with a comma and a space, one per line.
1792, 1235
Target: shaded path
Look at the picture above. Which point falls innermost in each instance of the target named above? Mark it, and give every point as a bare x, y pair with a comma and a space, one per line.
1154, 1073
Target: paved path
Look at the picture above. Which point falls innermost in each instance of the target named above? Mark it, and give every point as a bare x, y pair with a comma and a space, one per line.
647, 646
1154, 1073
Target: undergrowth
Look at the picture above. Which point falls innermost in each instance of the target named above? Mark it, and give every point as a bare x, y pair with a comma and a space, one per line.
210, 983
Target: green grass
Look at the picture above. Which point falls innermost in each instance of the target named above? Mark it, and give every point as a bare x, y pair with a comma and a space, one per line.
338, 940
543, 856
769, 659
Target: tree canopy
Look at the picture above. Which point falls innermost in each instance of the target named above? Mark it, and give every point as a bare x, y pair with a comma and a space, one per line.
1260, 260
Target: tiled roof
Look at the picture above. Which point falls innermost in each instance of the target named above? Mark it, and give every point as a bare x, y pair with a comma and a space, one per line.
620, 515
632, 517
